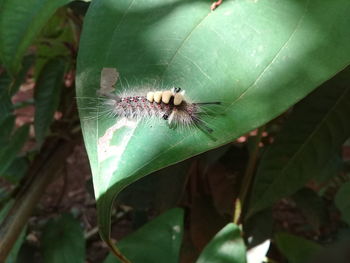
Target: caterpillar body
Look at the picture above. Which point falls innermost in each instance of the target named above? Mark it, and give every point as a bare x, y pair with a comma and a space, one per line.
169, 105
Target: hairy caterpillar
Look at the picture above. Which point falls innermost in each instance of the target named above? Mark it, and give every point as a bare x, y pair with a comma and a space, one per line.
168, 105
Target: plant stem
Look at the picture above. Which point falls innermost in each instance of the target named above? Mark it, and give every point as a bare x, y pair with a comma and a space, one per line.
47, 165
117, 252
248, 178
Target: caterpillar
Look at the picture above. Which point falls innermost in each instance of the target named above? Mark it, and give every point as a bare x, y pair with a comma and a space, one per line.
169, 105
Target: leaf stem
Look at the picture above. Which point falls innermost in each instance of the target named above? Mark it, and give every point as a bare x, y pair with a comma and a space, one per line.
117, 252
240, 204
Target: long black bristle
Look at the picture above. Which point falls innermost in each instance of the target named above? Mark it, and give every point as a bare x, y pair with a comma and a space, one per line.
209, 103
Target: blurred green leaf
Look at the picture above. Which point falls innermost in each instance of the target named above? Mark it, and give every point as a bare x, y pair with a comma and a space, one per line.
9, 152
342, 202
20, 22
226, 247
257, 57
8, 87
315, 131
20, 78
56, 39
157, 241
297, 249
63, 241
47, 95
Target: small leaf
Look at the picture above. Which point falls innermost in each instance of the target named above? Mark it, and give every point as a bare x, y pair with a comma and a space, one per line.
297, 249
226, 247
315, 131
47, 95
9, 152
157, 241
342, 202
63, 241
20, 22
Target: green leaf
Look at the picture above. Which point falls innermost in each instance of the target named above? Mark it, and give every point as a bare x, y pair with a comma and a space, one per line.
226, 247
47, 95
8, 87
63, 241
157, 241
20, 22
9, 152
243, 54
27, 62
342, 202
297, 249
57, 39
315, 131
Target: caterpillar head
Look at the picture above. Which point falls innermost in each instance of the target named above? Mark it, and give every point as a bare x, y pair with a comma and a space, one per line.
178, 95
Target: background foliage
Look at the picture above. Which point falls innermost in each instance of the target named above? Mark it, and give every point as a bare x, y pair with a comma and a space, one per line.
278, 161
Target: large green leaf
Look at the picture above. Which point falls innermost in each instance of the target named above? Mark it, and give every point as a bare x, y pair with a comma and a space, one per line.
63, 241
316, 130
47, 95
20, 22
257, 57
226, 247
157, 241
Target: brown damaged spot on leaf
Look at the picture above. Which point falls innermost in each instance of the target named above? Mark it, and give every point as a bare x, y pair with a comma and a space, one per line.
109, 77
